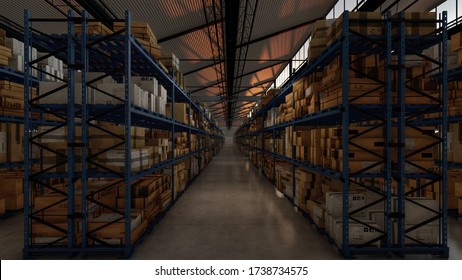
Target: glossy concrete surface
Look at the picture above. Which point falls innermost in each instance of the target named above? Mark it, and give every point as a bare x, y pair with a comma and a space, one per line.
229, 212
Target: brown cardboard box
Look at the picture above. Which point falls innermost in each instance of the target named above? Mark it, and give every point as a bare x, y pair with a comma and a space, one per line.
15, 141
459, 206
2, 206
13, 201
11, 185
180, 112
102, 140
423, 23
3, 143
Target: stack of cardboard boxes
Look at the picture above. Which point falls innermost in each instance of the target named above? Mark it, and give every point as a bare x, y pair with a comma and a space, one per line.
172, 63
318, 41
105, 224
12, 98
93, 28
11, 191
181, 145
146, 92
284, 178
159, 141
5, 52
180, 176
144, 35
181, 112
11, 142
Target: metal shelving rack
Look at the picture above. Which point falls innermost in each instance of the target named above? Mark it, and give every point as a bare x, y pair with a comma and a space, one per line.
118, 55
393, 113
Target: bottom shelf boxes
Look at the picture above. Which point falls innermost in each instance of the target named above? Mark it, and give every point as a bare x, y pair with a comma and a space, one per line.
112, 225
2, 207
56, 235
165, 200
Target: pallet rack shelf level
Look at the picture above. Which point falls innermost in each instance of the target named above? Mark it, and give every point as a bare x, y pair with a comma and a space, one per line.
120, 56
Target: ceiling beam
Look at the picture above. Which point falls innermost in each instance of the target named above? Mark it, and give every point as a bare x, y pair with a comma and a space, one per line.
207, 98
213, 64
278, 33
256, 85
232, 17
370, 5
243, 75
186, 32
97, 11
201, 68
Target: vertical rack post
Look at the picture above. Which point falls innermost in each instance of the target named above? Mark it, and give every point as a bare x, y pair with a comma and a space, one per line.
444, 130
274, 152
84, 127
345, 134
128, 120
262, 149
401, 132
70, 133
292, 160
189, 139
27, 145
389, 138
173, 136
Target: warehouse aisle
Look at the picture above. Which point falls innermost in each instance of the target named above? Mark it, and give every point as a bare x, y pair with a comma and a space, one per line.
231, 212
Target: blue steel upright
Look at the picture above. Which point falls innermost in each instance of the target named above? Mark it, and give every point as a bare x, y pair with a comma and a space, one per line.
27, 145
128, 122
401, 164
444, 131
389, 139
84, 127
71, 134
345, 135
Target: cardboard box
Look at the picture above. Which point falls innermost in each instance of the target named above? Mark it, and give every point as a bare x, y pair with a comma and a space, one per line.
427, 234
334, 203
2, 206
418, 23
3, 143
100, 139
15, 141
459, 206
180, 112
13, 201
416, 214
358, 233
11, 185
318, 214
115, 159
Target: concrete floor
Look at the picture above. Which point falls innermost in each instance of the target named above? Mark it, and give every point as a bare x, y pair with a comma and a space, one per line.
229, 212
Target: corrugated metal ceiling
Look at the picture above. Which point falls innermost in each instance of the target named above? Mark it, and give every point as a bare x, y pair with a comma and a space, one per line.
169, 17
166, 17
